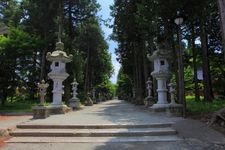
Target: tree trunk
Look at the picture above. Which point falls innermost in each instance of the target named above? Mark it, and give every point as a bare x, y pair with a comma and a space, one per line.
136, 81
140, 75
146, 70
69, 80
180, 70
70, 21
43, 62
221, 6
208, 96
197, 96
32, 90
86, 81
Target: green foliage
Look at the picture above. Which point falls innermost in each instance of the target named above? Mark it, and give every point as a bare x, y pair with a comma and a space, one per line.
10, 12
18, 64
17, 106
78, 64
139, 24
124, 85
198, 107
106, 88
32, 33
94, 52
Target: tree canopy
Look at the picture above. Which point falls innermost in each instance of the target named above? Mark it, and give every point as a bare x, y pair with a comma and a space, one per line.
141, 24
32, 32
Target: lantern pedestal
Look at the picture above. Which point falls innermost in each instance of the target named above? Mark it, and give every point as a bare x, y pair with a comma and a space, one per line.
75, 104
40, 112
62, 109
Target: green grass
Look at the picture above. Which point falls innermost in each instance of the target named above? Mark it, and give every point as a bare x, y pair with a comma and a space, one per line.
14, 107
198, 107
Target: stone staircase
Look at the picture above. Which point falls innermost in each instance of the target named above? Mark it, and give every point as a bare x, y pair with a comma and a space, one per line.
32, 133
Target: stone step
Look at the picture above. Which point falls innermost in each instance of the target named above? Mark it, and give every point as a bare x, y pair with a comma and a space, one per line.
93, 139
92, 132
94, 126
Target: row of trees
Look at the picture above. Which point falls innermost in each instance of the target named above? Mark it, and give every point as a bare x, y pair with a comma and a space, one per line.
140, 24
32, 32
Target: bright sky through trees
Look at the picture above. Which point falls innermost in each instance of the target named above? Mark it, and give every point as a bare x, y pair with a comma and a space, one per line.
105, 13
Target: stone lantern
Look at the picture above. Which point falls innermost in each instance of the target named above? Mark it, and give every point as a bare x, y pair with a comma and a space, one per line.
58, 73
161, 73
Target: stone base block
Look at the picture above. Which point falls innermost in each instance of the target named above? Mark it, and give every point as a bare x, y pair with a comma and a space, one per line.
175, 110
159, 107
40, 112
61, 109
149, 102
75, 104
98, 101
95, 101
89, 102
4, 132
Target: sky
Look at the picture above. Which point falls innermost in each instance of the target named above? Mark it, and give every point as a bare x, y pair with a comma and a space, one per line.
105, 13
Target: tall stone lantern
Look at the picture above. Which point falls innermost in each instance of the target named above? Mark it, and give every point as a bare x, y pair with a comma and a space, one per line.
161, 73
58, 73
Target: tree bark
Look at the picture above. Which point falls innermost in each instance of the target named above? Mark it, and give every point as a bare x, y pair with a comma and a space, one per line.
221, 6
197, 96
87, 72
180, 69
42, 76
136, 81
69, 80
140, 74
208, 96
71, 33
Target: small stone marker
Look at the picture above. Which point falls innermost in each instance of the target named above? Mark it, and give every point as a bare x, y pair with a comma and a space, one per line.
93, 96
74, 101
149, 93
89, 101
172, 93
40, 111
174, 108
42, 89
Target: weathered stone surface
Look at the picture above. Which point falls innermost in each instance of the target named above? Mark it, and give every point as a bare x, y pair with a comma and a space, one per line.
161, 73
195, 134
40, 112
74, 102
58, 74
89, 102
58, 110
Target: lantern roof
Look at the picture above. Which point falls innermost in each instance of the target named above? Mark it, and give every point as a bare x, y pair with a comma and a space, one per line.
59, 54
161, 53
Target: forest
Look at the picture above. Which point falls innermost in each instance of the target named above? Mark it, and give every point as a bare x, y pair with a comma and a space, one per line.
29, 29
142, 24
